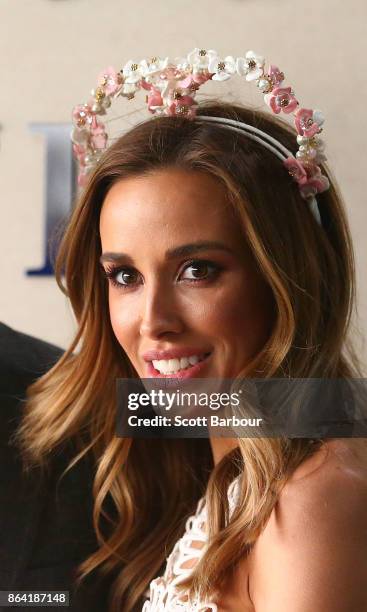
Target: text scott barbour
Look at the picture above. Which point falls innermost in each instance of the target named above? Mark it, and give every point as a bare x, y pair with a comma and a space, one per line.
200, 421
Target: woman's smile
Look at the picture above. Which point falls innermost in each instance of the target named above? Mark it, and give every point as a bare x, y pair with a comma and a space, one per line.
183, 367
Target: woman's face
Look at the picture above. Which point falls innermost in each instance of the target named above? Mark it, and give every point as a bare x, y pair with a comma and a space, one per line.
185, 297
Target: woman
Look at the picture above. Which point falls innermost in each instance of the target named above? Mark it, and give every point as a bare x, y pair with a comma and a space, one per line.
192, 241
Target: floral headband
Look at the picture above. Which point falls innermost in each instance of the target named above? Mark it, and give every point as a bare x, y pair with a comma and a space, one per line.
171, 87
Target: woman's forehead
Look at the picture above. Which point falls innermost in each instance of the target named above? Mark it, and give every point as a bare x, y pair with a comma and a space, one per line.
167, 185
169, 205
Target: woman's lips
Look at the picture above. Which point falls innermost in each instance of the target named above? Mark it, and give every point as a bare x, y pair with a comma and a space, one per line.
190, 372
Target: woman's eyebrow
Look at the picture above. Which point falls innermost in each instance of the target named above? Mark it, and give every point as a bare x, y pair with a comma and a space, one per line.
180, 251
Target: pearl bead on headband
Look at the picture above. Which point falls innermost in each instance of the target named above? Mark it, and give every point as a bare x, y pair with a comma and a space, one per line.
172, 87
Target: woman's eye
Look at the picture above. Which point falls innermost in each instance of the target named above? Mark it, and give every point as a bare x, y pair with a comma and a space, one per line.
125, 278
122, 277
200, 270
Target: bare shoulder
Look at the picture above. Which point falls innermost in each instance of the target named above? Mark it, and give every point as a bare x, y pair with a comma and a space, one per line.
340, 465
312, 554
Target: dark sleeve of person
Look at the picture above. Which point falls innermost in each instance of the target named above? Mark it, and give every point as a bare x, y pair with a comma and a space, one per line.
46, 526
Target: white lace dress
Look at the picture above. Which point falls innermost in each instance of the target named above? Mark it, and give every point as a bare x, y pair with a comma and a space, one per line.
163, 593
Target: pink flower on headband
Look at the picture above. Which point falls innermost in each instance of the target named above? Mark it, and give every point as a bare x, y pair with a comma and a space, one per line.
308, 122
98, 136
79, 152
154, 99
146, 85
169, 77
170, 81
184, 105
276, 76
110, 80
314, 185
193, 81
82, 114
296, 170
308, 176
82, 178
281, 99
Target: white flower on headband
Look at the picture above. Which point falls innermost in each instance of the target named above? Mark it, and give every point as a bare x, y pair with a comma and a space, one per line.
311, 148
153, 67
222, 69
181, 63
199, 59
251, 66
133, 72
128, 90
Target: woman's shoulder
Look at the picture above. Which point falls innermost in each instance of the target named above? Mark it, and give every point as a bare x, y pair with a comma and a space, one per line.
334, 454
337, 463
313, 548
327, 488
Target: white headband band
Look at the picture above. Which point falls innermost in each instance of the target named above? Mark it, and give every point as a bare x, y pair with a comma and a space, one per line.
267, 141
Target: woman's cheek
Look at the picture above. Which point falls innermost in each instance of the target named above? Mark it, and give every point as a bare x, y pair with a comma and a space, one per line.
222, 311
238, 319
121, 318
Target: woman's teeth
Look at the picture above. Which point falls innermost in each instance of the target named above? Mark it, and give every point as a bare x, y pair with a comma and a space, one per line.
172, 366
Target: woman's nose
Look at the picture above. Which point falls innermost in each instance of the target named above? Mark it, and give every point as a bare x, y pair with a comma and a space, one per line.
160, 313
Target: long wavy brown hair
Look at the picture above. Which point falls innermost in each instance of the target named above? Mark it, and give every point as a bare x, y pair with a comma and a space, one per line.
153, 485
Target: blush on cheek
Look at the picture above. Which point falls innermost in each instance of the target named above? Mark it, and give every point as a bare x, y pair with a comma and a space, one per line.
125, 327
241, 320
117, 324
116, 331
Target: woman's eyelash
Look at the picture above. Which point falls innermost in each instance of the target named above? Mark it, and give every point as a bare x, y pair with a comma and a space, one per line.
111, 272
